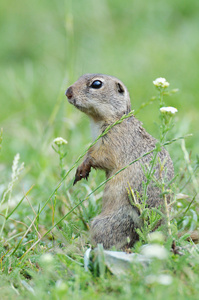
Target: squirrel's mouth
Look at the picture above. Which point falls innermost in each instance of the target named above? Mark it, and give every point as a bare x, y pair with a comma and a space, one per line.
77, 105
74, 102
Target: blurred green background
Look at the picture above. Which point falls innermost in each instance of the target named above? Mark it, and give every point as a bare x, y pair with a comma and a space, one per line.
46, 45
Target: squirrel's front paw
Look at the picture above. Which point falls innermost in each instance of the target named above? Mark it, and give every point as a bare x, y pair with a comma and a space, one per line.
82, 172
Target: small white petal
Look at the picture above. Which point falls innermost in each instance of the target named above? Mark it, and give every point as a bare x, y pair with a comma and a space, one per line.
161, 82
165, 279
156, 236
47, 258
60, 141
154, 250
168, 110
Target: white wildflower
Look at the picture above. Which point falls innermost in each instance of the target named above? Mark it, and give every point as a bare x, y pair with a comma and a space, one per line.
60, 141
168, 110
163, 279
161, 82
47, 258
156, 236
154, 251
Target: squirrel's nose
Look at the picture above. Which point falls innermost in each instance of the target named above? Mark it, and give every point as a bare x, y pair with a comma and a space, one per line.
69, 92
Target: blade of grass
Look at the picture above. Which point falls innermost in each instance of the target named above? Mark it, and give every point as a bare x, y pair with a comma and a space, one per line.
24, 236
1, 138
145, 104
10, 214
189, 167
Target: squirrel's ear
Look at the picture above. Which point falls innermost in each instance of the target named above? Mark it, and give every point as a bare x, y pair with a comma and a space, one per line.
120, 88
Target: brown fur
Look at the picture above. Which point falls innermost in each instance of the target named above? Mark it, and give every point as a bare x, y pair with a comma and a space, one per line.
122, 144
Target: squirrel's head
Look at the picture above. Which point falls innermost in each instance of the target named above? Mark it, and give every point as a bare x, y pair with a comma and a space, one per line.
102, 97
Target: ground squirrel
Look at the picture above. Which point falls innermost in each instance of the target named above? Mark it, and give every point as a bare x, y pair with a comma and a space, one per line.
105, 99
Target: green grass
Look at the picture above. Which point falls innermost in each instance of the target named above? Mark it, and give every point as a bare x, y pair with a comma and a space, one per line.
45, 47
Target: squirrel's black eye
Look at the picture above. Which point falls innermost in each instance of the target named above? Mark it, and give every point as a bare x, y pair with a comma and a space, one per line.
96, 84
